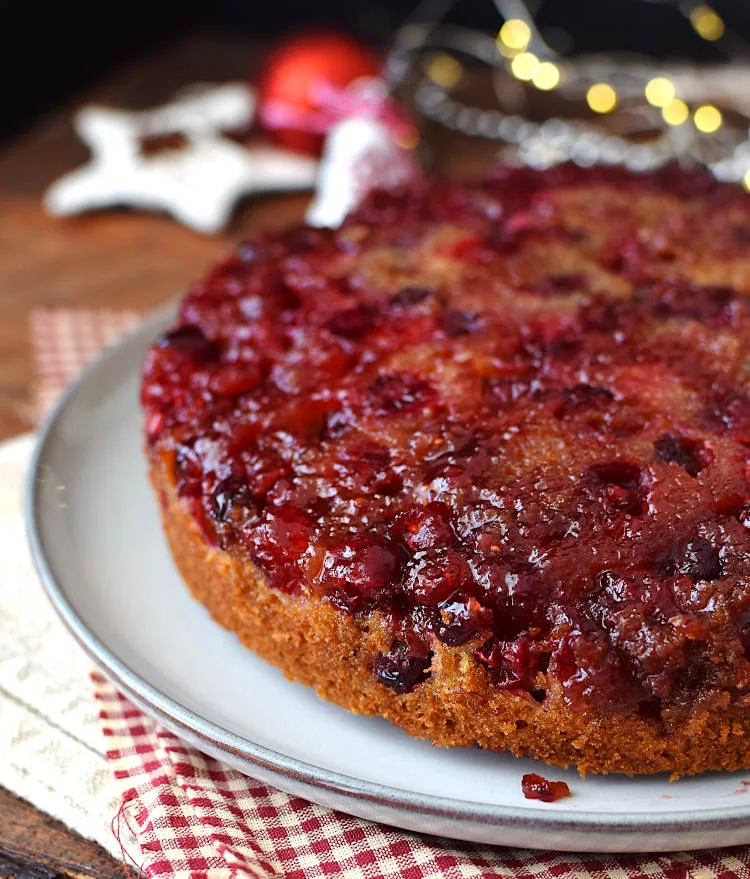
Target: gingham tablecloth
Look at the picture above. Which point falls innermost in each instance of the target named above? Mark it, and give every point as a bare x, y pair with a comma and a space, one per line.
191, 816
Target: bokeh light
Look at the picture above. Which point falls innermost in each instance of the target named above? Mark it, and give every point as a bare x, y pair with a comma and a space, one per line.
445, 71
659, 91
676, 112
707, 119
707, 22
515, 34
601, 97
546, 76
524, 66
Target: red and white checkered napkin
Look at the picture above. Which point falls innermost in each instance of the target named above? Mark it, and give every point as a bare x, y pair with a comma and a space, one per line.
195, 818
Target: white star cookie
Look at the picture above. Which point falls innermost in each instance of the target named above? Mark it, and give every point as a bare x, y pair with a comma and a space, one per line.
198, 183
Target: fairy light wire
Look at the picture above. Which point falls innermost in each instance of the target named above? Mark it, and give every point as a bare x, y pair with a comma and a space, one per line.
661, 104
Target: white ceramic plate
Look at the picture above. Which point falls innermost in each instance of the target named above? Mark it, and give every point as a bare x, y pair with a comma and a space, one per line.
98, 544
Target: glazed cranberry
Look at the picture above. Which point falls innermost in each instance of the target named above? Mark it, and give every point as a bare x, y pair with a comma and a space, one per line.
561, 285
187, 464
589, 672
602, 315
743, 629
398, 392
235, 378
281, 538
535, 787
616, 587
263, 469
628, 255
400, 670
423, 527
434, 575
356, 569
460, 618
715, 306
584, 397
335, 424
697, 559
302, 416
465, 448
456, 323
190, 342
303, 239
366, 468
353, 323
510, 389
744, 515
228, 494
691, 455
410, 296
249, 251
516, 593
733, 411
513, 664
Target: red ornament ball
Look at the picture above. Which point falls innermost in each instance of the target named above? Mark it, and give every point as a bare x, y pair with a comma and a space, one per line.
286, 91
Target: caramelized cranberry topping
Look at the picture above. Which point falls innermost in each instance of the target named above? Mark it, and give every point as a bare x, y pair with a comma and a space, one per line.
508, 418
536, 787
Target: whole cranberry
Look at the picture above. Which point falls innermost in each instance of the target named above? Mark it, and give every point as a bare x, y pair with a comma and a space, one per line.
356, 568
353, 323
398, 392
514, 591
365, 468
423, 526
455, 323
513, 664
410, 296
190, 342
229, 494
460, 618
436, 574
281, 538
231, 379
401, 670
697, 558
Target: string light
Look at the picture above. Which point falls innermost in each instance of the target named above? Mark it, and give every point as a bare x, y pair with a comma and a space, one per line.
524, 66
601, 97
707, 23
546, 76
746, 180
676, 112
514, 34
659, 91
445, 71
707, 119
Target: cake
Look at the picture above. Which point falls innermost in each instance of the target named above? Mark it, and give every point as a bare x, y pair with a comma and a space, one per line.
478, 462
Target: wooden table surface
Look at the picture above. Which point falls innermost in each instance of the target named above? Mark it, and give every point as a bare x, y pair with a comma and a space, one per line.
114, 260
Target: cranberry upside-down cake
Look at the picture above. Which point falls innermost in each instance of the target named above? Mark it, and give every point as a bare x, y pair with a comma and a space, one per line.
478, 462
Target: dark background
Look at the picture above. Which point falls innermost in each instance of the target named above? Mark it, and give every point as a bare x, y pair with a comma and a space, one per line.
50, 49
